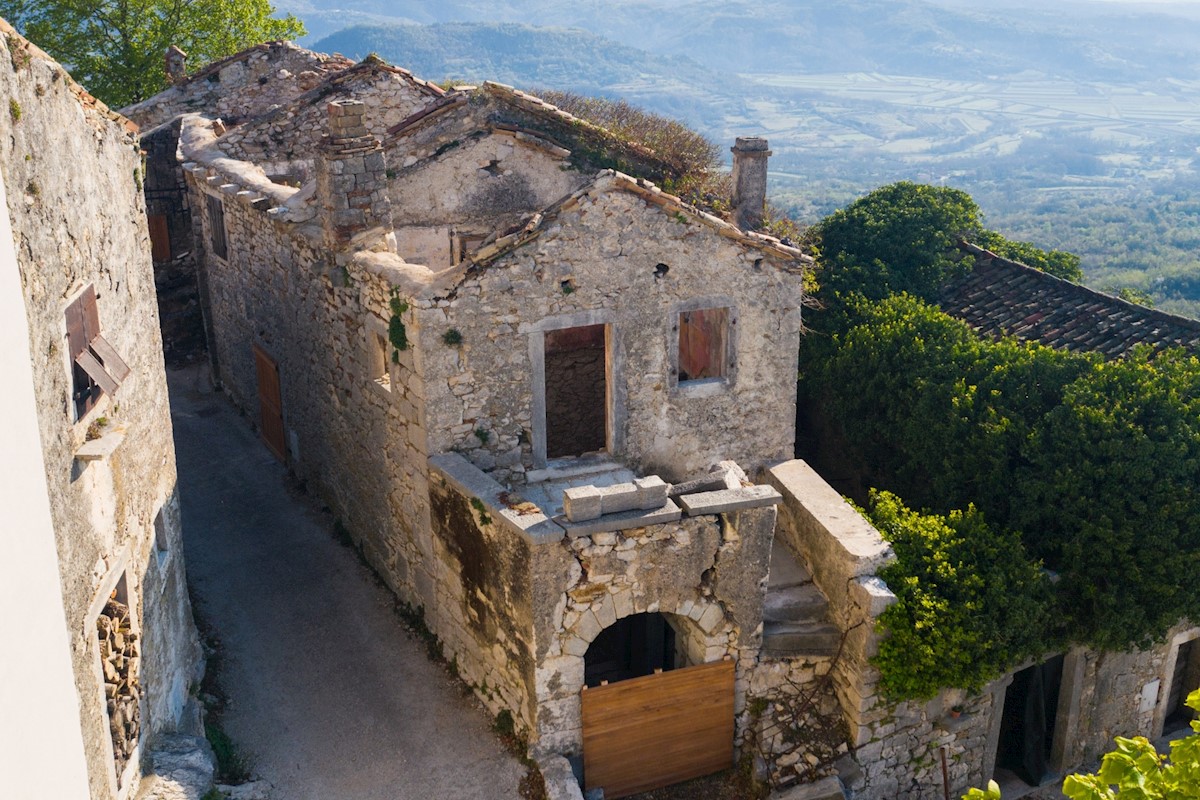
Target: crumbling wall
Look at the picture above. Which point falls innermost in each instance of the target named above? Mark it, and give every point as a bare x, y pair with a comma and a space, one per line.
241, 86
284, 139
613, 258
72, 168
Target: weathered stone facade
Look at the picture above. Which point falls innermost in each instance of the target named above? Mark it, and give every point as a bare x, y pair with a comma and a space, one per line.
78, 217
414, 286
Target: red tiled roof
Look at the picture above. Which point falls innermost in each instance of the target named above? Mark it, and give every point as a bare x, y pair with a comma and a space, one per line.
1000, 297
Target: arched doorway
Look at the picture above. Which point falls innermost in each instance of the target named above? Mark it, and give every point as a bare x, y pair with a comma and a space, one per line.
631, 647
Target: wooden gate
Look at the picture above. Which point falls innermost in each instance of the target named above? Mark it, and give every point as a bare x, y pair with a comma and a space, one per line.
270, 404
657, 730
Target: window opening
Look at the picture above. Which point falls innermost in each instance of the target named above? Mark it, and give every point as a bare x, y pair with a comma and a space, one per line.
161, 551
96, 368
629, 648
1184, 680
703, 344
463, 244
1027, 724
216, 221
380, 369
576, 391
120, 654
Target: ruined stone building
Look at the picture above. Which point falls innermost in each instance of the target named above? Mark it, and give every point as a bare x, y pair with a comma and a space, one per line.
101, 651
554, 407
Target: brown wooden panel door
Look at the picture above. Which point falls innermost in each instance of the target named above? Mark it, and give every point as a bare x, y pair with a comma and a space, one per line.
160, 237
657, 730
270, 404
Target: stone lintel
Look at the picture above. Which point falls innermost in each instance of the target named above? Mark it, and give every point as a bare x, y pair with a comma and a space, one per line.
621, 522
825, 789
724, 500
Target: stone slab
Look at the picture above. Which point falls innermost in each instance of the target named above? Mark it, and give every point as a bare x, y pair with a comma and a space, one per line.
825, 789
582, 503
725, 500
559, 778
622, 522
101, 448
470, 481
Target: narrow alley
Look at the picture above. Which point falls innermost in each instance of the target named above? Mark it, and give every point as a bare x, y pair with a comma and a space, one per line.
330, 698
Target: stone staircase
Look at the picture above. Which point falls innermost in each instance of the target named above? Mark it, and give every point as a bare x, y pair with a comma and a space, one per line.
795, 612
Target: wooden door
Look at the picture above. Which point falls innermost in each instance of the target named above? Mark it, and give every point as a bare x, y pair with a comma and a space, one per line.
270, 404
659, 729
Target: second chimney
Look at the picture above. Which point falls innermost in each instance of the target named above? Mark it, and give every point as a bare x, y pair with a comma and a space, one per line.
749, 181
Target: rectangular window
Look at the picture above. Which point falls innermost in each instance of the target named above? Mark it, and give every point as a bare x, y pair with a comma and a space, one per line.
96, 367
377, 354
120, 654
216, 221
703, 344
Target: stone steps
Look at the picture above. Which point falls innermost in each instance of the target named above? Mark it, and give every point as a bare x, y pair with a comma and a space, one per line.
795, 604
789, 639
824, 789
795, 611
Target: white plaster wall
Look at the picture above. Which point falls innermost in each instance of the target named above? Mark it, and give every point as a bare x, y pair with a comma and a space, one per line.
42, 754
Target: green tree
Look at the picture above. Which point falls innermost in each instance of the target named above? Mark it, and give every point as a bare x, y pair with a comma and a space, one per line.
115, 48
969, 603
903, 238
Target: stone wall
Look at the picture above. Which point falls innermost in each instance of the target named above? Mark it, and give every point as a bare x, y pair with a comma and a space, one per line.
78, 218
283, 139
481, 185
615, 259
241, 86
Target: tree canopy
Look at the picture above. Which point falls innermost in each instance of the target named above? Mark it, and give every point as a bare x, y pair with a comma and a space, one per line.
115, 48
902, 238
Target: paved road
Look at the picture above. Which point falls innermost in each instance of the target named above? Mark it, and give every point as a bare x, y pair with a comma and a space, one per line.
328, 695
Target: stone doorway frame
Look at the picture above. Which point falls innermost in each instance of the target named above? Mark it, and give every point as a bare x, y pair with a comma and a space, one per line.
1066, 721
614, 377
1168, 669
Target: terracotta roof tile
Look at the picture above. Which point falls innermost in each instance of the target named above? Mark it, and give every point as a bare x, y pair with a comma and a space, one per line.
1001, 297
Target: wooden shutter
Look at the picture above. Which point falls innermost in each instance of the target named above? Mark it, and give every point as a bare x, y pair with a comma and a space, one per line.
160, 237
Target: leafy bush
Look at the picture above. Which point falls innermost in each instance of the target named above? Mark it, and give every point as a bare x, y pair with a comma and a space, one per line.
970, 603
1097, 463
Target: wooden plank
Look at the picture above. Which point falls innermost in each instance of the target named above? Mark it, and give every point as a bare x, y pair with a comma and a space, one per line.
270, 403
648, 732
160, 237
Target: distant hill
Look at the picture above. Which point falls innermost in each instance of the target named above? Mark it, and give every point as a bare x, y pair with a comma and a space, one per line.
1097, 41
529, 57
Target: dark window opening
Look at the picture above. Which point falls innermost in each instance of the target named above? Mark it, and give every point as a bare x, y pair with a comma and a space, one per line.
631, 647
1184, 680
703, 344
96, 368
1027, 726
463, 244
576, 391
216, 221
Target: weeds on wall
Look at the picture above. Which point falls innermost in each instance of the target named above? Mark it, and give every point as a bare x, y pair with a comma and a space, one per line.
397, 333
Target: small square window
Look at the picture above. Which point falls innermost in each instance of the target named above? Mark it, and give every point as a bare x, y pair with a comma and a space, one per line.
378, 362
703, 344
96, 368
216, 223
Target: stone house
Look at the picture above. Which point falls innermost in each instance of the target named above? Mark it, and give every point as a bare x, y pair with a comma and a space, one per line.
103, 649
554, 407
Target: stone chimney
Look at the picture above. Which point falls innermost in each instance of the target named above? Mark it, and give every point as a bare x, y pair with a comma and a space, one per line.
749, 181
176, 61
351, 176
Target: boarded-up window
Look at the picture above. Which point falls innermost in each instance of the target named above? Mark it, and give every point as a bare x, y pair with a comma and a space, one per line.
703, 344
160, 237
216, 222
96, 367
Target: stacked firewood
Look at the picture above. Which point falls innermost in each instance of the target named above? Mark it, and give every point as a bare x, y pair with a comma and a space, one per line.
119, 658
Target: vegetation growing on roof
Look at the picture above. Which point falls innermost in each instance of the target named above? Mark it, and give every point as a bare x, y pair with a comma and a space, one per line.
1086, 466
